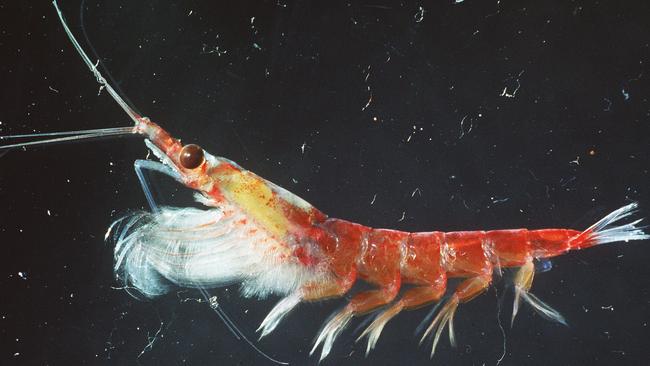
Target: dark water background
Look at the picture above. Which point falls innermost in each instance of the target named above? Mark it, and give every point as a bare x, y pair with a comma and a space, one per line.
497, 114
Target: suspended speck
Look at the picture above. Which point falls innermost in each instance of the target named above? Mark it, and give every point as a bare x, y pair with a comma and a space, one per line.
419, 16
608, 105
22, 275
626, 95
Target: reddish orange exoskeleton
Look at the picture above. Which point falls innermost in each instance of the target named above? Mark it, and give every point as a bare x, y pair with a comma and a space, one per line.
271, 242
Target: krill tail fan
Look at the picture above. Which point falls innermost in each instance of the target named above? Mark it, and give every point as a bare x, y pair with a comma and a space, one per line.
607, 230
610, 230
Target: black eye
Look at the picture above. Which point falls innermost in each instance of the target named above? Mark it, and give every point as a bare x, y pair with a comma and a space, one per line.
191, 156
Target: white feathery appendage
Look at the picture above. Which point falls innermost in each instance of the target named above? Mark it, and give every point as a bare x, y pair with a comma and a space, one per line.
373, 331
444, 317
194, 248
279, 311
331, 330
542, 308
604, 231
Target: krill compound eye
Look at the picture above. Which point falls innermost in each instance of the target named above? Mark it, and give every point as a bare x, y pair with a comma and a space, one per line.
191, 156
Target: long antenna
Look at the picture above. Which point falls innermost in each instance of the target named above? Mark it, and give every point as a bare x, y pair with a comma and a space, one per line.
69, 136
93, 68
100, 63
65, 136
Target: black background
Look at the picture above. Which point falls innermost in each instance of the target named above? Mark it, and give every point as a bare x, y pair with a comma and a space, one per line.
569, 146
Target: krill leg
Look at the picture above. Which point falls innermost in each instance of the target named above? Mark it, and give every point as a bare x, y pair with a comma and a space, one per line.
523, 283
412, 299
466, 291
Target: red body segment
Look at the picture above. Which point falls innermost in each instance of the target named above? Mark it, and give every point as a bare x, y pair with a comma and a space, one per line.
465, 255
550, 242
509, 246
421, 257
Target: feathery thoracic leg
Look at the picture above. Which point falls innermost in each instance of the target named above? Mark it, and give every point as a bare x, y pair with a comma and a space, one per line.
340, 242
310, 292
412, 299
466, 291
379, 265
523, 283
279, 311
420, 266
360, 304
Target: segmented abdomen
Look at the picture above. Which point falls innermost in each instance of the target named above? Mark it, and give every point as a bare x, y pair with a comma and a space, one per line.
424, 257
